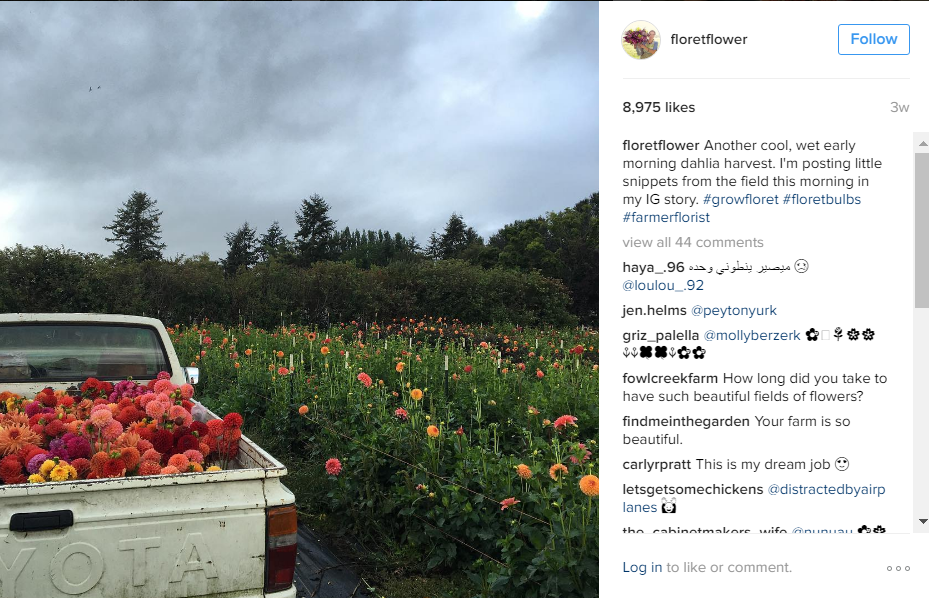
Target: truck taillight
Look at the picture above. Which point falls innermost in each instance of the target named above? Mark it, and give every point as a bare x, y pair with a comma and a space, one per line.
281, 551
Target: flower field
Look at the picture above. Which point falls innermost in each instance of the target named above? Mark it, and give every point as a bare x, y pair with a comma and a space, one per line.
472, 448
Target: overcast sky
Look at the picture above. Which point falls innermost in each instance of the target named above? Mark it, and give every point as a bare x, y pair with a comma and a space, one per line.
397, 114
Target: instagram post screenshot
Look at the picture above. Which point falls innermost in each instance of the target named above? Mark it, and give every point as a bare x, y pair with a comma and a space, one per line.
765, 170
301, 300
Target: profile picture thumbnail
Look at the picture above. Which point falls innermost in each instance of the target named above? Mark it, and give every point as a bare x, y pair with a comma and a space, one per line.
641, 40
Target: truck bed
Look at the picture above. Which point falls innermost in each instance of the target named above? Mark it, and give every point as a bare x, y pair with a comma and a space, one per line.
196, 534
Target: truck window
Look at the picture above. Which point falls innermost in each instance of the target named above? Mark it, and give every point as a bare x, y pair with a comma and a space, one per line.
75, 352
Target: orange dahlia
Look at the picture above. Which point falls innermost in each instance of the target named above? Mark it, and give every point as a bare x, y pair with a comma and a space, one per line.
16, 418
523, 471
508, 502
303, 410
130, 456
97, 462
14, 438
590, 485
400, 366
416, 394
555, 470
432, 431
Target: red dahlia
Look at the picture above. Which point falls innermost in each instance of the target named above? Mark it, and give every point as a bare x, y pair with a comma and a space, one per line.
186, 443
114, 468
163, 441
233, 420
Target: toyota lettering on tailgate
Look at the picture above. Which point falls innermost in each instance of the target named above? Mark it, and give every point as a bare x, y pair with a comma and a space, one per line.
193, 556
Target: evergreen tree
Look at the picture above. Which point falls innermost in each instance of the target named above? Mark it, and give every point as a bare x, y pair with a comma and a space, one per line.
273, 243
457, 237
433, 250
136, 229
315, 230
242, 250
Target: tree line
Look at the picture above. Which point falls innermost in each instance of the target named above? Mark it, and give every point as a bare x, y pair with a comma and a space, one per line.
542, 270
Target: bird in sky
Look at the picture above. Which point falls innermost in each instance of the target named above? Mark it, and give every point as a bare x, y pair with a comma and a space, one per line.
90, 89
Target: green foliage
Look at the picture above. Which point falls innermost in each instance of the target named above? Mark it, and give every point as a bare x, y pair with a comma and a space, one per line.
315, 230
433, 250
457, 238
544, 270
136, 229
40, 279
563, 245
273, 244
243, 252
374, 248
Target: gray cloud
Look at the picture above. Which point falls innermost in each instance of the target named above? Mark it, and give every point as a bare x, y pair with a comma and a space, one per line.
397, 113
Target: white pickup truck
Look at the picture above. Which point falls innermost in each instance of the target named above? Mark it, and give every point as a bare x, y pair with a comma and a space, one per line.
229, 533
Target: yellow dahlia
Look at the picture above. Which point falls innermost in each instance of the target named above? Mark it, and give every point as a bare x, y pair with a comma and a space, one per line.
59, 473
46, 467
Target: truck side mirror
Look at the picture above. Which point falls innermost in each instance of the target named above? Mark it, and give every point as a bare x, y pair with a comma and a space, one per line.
192, 375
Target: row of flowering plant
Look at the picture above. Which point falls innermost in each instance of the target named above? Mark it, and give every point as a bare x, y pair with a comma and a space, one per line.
111, 431
452, 440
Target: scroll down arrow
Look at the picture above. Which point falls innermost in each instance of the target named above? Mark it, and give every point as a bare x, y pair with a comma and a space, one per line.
924, 520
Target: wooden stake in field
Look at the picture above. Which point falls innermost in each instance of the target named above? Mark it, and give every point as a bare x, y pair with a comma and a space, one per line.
446, 376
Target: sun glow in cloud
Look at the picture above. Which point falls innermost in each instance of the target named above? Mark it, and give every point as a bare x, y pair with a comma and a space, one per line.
531, 10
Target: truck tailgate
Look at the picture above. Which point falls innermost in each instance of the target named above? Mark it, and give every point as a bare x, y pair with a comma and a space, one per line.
197, 534
170, 540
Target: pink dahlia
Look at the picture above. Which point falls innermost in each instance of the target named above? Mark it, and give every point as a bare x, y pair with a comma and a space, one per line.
333, 467
564, 421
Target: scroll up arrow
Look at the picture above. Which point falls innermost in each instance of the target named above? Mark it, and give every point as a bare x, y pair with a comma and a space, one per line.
923, 144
